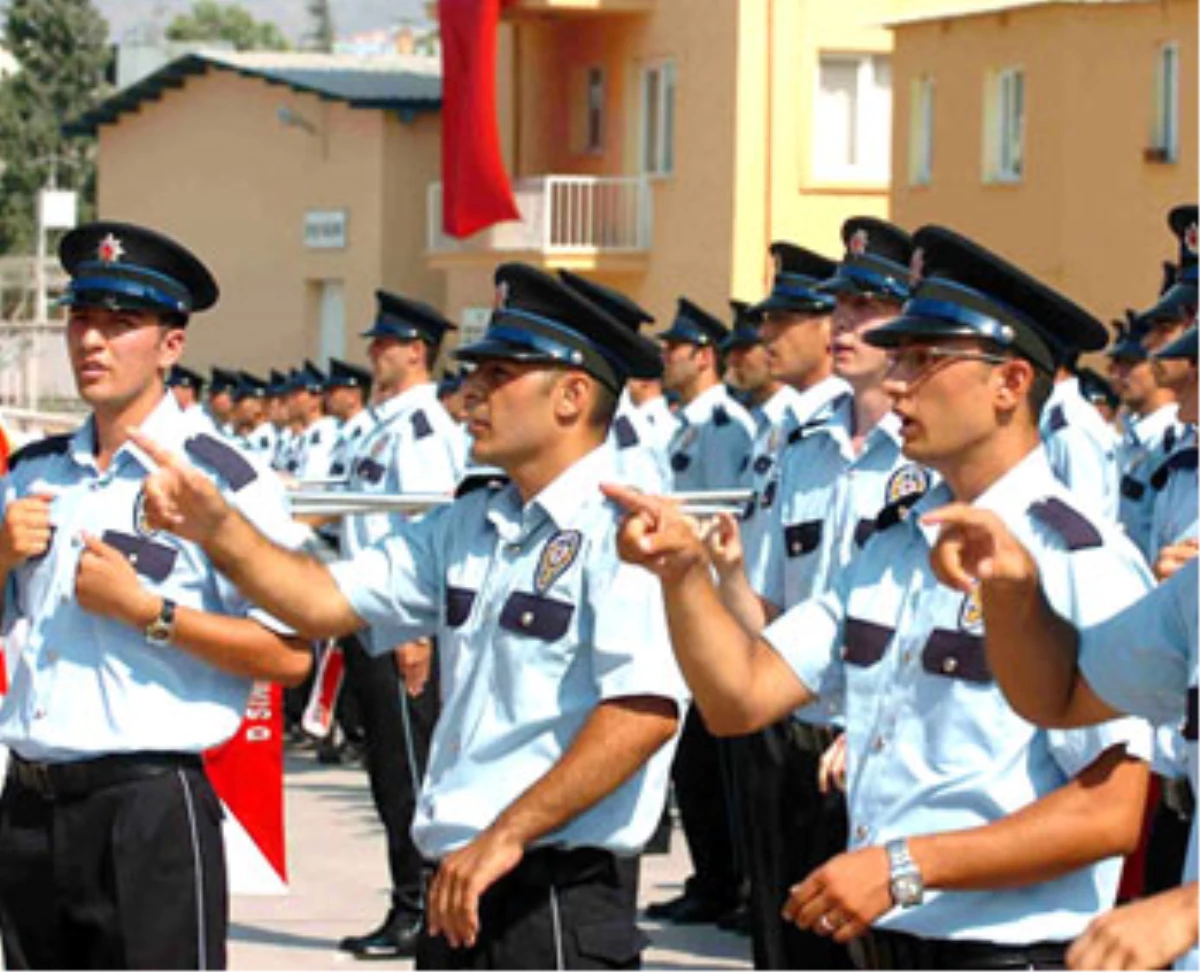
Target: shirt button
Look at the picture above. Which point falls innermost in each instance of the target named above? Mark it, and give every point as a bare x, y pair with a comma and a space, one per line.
794, 549
907, 657
513, 548
861, 832
877, 744
526, 619
133, 557
950, 665
39, 713
51, 655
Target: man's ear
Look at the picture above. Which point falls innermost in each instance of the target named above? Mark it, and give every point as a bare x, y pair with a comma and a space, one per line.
1015, 377
171, 344
574, 395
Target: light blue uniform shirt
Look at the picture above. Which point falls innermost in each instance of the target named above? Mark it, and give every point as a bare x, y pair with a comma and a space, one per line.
639, 448
315, 447
83, 685
710, 445
660, 423
1176, 497
537, 622
1143, 661
263, 439
1145, 445
1082, 450
932, 744
349, 437
826, 504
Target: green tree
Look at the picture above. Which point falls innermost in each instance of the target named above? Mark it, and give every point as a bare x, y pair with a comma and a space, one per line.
62, 49
321, 34
212, 21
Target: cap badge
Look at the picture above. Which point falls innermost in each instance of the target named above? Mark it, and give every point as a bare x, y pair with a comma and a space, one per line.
916, 267
858, 242
110, 250
1189, 238
558, 555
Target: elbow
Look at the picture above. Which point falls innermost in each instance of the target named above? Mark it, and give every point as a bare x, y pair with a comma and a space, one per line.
730, 720
294, 665
1119, 829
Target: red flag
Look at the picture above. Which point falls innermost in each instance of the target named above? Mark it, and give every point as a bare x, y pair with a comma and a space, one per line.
475, 189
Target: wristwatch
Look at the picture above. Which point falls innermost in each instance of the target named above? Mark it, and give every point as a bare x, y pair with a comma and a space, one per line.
158, 632
908, 888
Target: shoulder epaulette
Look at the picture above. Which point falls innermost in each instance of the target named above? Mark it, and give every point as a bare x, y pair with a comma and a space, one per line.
800, 431
626, 435
1058, 419
236, 470
720, 415
1183, 459
1075, 529
420, 424
52, 445
473, 482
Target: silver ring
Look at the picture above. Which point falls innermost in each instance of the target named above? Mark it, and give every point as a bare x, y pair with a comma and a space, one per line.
826, 923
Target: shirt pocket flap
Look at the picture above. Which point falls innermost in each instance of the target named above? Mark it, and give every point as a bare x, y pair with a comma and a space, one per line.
865, 642
459, 602
956, 654
539, 617
802, 538
370, 471
613, 944
152, 560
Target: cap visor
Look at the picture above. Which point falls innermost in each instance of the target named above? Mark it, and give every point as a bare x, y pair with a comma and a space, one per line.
902, 328
487, 347
794, 305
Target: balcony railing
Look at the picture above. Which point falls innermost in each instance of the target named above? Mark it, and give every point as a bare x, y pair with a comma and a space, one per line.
560, 215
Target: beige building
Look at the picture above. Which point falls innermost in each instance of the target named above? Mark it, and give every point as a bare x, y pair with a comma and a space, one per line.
1059, 133
299, 178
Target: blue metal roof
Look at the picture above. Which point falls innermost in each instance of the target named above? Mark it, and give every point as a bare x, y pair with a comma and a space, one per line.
403, 85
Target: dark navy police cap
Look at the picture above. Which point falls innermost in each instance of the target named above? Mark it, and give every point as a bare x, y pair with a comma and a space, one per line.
539, 318
308, 378
222, 381
1179, 297
278, 383
965, 290
618, 306
249, 386
342, 374
120, 266
181, 377
1183, 347
694, 325
1127, 345
1097, 389
407, 320
745, 327
798, 273
876, 263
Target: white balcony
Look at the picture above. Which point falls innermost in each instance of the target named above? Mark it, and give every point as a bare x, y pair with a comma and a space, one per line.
562, 216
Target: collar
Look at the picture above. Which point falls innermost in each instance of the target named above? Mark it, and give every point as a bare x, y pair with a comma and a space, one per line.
558, 502
841, 427
700, 409
1063, 391
1009, 497
163, 425
812, 400
780, 405
406, 401
1154, 425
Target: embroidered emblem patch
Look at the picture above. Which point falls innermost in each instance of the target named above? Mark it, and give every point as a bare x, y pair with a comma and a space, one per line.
110, 249
858, 242
558, 554
140, 525
970, 615
907, 482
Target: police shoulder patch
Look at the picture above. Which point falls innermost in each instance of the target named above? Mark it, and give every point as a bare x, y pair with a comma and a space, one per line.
970, 614
624, 432
909, 482
225, 459
557, 556
52, 445
1076, 531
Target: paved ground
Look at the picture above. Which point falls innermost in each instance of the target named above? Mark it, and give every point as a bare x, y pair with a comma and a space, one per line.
339, 887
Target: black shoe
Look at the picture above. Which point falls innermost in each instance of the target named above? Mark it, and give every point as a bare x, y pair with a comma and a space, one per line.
688, 909
395, 938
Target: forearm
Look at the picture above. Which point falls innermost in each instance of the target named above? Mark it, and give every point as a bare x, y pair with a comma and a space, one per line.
289, 585
615, 742
737, 680
1096, 815
241, 646
1033, 652
742, 600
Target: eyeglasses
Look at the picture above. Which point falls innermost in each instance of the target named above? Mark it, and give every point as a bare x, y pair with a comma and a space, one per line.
907, 364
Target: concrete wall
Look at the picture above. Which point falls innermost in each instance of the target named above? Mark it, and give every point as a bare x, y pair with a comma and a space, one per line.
211, 164
1089, 214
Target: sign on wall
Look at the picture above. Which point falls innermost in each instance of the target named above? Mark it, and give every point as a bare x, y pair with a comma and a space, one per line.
325, 229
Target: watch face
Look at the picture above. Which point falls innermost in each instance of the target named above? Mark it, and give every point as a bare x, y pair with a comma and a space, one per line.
907, 889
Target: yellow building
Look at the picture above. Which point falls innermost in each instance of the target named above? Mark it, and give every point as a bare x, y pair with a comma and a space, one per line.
299, 178
1058, 133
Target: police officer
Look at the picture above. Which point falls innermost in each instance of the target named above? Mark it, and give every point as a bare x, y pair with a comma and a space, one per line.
548, 768
220, 399
347, 392
1099, 392
975, 839
640, 447
249, 409
317, 431
413, 447
130, 654
187, 386
1174, 519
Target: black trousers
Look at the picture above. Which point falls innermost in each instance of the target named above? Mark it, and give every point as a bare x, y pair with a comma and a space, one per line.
387, 744
573, 909
704, 793
128, 875
896, 950
794, 829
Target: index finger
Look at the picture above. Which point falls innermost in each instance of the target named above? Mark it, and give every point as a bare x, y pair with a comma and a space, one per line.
156, 452
958, 514
634, 500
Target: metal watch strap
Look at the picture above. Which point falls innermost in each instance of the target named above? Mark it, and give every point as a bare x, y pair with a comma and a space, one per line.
160, 630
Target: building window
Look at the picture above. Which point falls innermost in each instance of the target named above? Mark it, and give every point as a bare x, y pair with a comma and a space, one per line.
1004, 126
1164, 146
852, 134
920, 132
594, 142
658, 119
